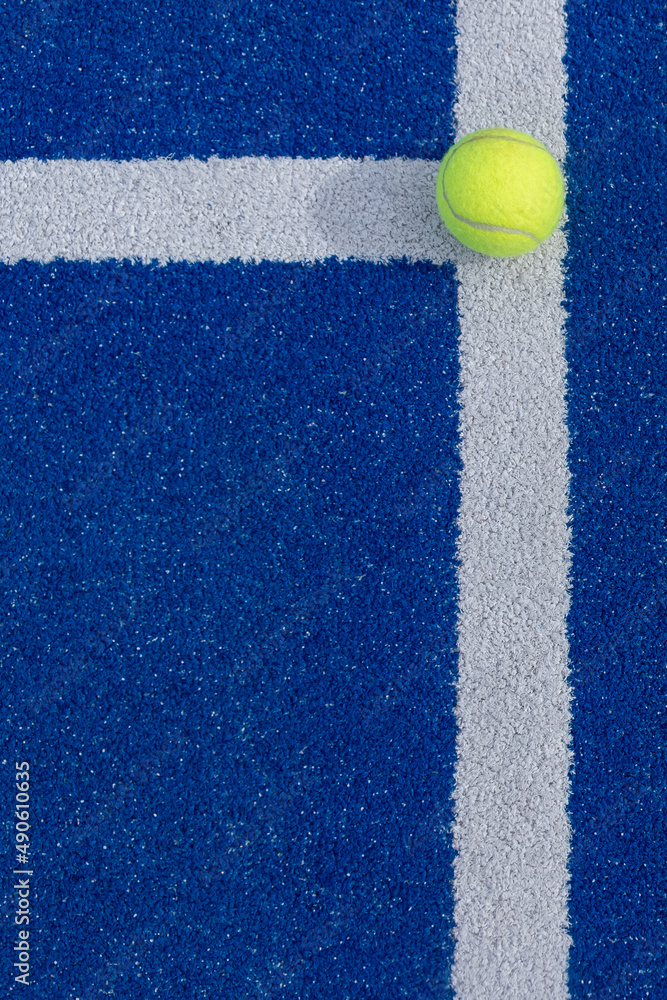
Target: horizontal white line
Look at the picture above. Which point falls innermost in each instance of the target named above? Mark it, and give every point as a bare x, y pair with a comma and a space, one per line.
249, 208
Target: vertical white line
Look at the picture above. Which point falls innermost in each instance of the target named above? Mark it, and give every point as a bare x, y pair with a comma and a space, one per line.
511, 831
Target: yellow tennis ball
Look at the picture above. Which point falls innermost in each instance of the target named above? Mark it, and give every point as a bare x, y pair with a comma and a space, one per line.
500, 192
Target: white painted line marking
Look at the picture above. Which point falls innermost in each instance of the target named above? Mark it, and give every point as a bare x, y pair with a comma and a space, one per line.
250, 208
511, 829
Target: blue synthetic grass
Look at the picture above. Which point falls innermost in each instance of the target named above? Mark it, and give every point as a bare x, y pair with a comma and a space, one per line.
617, 355
229, 499
177, 78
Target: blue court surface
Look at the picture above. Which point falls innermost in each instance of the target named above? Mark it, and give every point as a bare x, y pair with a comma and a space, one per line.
617, 355
230, 499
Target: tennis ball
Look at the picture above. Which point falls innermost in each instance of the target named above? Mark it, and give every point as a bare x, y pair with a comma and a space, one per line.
500, 192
